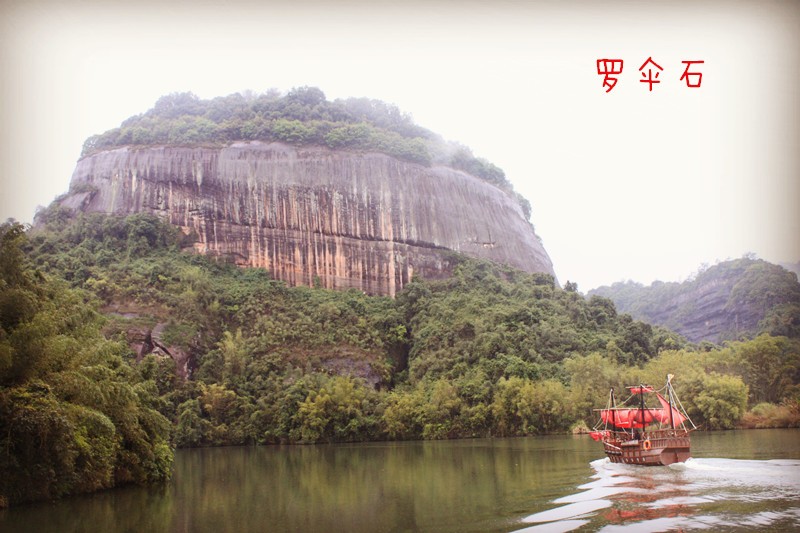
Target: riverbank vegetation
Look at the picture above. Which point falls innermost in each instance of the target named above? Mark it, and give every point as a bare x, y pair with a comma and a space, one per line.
97, 310
75, 415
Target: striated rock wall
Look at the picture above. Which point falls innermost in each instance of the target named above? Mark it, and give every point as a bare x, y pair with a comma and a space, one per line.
703, 313
314, 215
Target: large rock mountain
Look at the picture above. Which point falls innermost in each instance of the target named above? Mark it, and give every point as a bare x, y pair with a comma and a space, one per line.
732, 299
313, 215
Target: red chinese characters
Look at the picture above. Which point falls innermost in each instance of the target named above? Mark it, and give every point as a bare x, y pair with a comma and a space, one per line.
609, 67
686, 74
649, 77
650, 70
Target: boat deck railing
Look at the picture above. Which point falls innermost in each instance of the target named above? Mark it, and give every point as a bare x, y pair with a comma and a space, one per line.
650, 434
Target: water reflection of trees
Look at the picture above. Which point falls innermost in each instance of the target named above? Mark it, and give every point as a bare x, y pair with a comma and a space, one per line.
420, 485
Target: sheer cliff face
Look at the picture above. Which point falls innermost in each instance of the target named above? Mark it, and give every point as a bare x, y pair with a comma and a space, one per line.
313, 215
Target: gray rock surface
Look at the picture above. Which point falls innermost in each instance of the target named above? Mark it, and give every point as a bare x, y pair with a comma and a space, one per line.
311, 215
730, 300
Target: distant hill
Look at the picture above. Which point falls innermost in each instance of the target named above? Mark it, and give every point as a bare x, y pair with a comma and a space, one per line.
730, 300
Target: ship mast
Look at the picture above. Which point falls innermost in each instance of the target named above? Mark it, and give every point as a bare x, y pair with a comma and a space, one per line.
641, 397
613, 410
669, 401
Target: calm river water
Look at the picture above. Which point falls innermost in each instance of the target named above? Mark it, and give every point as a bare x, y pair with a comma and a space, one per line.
737, 480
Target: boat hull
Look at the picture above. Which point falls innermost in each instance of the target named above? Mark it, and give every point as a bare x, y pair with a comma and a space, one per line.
656, 448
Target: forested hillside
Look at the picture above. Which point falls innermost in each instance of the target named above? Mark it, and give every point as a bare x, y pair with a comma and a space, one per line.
96, 310
733, 299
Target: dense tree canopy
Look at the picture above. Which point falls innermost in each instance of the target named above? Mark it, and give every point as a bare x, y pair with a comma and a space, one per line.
490, 351
76, 416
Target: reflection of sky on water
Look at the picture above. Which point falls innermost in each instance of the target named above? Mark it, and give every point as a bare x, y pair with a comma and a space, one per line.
696, 495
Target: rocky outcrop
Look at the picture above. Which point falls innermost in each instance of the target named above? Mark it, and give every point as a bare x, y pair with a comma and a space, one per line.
741, 297
312, 215
145, 336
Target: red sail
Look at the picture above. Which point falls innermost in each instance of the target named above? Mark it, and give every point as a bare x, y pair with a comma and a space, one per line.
628, 418
640, 390
663, 417
598, 435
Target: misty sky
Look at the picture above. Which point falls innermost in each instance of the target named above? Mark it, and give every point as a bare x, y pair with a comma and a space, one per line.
631, 184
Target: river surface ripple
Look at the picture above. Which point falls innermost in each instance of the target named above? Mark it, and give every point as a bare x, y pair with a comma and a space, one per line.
701, 494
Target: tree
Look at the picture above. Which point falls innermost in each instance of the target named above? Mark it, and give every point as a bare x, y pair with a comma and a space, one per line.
334, 413
404, 415
308, 96
177, 104
768, 366
722, 402
442, 411
591, 379
76, 417
192, 429
234, 355
12, 260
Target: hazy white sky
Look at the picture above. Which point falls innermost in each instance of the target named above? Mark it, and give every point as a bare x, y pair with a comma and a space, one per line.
626, 185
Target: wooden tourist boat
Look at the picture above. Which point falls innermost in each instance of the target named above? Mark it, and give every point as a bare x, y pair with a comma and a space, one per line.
636, 434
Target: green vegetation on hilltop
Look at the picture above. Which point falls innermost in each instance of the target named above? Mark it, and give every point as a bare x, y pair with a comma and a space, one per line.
489, 352
301, 117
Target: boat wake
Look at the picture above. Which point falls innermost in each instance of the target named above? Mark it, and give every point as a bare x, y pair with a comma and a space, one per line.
700, 494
